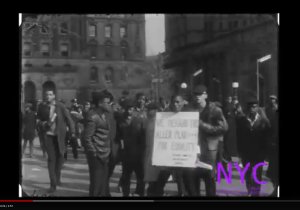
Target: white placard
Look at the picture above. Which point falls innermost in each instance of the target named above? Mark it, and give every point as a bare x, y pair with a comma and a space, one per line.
176, 139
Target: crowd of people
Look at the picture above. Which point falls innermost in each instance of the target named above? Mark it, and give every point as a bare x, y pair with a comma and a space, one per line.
122, 132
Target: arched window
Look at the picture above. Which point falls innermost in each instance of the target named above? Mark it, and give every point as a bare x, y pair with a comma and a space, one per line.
109, 75
124, 50
94, 74
108, 49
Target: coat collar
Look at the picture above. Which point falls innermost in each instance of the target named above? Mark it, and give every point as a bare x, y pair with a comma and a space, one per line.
255, 119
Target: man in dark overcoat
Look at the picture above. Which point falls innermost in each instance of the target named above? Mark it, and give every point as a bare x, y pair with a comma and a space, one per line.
54, 119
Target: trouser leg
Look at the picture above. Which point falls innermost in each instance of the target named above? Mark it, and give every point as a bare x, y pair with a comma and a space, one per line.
127, 171
74, 147
139, 171
163, 178
98, 176
31, 147
50, 148
192, 181
179, 181
59, 161
209, 175
256, 186
91, 165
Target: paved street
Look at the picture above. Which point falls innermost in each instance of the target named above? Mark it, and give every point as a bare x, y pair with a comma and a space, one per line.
75, 178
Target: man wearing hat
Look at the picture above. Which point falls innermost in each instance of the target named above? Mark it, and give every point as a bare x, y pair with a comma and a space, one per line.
252, 133
132, 134
212, 126
272, 114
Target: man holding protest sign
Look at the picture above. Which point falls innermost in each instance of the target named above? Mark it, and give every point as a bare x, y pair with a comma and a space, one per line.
212, 126
178, 105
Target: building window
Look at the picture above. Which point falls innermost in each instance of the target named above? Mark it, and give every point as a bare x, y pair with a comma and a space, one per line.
44, 29
64, 50
63, 28
92, 30
109, 75
27, 49
124, 50
123, 32
108, 33
244, 22
45, 49
108, 49
94, 74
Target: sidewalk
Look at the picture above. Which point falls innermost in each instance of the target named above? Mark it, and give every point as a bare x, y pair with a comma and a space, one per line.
75, 178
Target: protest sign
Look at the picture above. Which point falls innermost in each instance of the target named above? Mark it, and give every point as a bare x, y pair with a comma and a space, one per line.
176, 139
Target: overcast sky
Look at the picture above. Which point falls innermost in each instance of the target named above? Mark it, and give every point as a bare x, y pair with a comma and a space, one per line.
155, 34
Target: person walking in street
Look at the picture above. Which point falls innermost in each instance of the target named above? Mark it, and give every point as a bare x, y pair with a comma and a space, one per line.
273, 154
29, 125
97, 137
212, 126
252, 133
54, 119
40, 130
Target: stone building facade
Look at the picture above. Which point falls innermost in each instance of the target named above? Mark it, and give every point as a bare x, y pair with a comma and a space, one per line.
79, 55
226, 48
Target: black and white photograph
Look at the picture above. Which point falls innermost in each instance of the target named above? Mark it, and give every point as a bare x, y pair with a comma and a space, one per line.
149, 105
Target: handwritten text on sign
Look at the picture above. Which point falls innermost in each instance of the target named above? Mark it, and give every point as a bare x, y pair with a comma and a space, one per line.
175, 139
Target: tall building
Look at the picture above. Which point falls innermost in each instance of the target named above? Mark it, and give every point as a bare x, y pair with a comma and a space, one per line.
79, 55
226, 48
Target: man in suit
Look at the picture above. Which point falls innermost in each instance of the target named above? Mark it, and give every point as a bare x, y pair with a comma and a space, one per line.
132, 133
252, 133
273, 156
98, 133
54, 119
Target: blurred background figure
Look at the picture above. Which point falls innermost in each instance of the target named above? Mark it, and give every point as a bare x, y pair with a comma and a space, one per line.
272, 114
29, 125
40, 131
164, 104
229, 147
